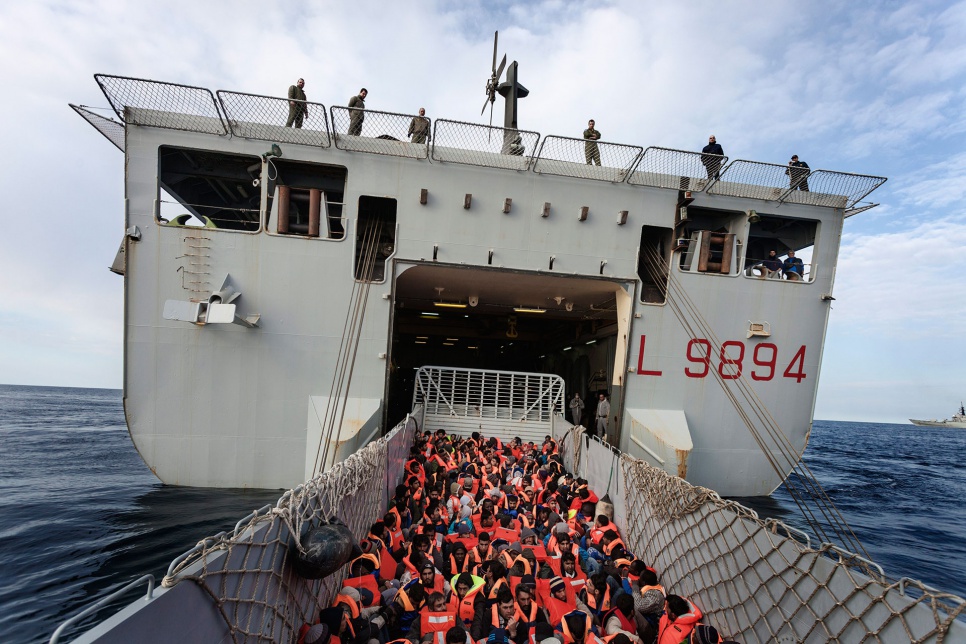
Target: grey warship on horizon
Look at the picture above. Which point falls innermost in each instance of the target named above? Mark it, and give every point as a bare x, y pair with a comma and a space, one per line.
284, 309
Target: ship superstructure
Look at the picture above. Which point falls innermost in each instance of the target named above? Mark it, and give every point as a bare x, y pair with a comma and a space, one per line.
280, 282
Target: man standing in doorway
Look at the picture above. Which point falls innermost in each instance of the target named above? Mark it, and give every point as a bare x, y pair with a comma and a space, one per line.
576, 408
297, 108
603, 411
357, 106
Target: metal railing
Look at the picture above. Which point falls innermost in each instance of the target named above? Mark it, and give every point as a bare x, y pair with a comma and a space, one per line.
600, 160
676, 169
483, 145
832, 189
753, 179
377, 132
504, 403
111, 129
93, 608
271, 118
138, 101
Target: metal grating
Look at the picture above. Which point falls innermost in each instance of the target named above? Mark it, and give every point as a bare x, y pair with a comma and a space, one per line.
676, 169
483, 145
833, 189
138, 101
754, 179
253, 116
111, 129
504, 403
571, 157
380, 132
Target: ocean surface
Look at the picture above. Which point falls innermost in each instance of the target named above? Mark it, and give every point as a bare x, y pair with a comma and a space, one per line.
83, 515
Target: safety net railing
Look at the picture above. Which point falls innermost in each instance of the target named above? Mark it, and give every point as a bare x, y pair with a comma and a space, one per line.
500, 403
756, 580
676, 169
600, 160
753, 179
271, 118
375, 132
247, 573
832, 189
483, 145
111, 129
138, 101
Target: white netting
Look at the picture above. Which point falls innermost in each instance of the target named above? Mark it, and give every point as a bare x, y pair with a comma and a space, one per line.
247, 573
752, 578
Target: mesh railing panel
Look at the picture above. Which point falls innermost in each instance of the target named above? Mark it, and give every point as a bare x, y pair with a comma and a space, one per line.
753, 179
757, 585
833, 189
570, 157
138, 101
247, 572
676, 169
483, 145
377, 132
270, 118
111, 129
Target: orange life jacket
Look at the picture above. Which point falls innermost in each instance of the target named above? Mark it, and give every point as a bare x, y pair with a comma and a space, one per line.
527, 621
592, 601
675, 632
613, 544
568, 637
369, 583
465, 608
431, 622
495, 589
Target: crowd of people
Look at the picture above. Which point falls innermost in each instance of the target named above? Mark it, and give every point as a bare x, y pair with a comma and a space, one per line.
491, 541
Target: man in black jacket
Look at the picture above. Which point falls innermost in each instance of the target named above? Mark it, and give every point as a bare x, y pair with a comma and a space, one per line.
711, 157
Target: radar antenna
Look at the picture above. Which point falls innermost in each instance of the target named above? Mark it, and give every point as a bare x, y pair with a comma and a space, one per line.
494, 81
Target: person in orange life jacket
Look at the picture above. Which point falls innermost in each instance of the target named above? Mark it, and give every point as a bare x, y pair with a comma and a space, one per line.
649, 597
482, 551
678, 620
458, 559
426, 627
577, 627
432, 581
527, 614
405, 608
569, 571
622, 619
466, 598
494, 576
498, 614
597, 595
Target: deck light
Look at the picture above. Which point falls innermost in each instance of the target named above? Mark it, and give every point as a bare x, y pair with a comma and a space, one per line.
522, 309
450, 305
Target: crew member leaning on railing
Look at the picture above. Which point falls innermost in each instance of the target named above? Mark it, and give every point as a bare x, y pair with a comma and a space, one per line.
487, 541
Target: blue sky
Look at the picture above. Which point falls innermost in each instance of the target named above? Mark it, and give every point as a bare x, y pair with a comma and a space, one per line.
863, 87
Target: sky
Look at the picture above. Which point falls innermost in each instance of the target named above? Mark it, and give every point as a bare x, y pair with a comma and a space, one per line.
866, 87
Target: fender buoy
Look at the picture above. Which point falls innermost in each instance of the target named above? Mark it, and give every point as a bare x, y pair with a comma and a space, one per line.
327, 548
606, 507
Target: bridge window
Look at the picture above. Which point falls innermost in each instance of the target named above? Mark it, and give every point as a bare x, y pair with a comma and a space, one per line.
207, 188
784, 235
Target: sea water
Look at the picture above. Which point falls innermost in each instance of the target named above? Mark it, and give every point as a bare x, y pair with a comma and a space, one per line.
83, 515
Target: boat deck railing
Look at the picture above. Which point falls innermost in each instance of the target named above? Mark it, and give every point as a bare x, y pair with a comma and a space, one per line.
148, 103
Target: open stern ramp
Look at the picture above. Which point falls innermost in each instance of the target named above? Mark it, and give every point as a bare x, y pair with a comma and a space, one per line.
496, 403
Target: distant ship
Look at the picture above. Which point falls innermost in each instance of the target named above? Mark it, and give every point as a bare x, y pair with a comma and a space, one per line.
958, 420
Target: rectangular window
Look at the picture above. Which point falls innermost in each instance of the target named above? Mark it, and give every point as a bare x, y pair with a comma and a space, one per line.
206, 188
793, 243
707, 241
305, 199
375, 237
